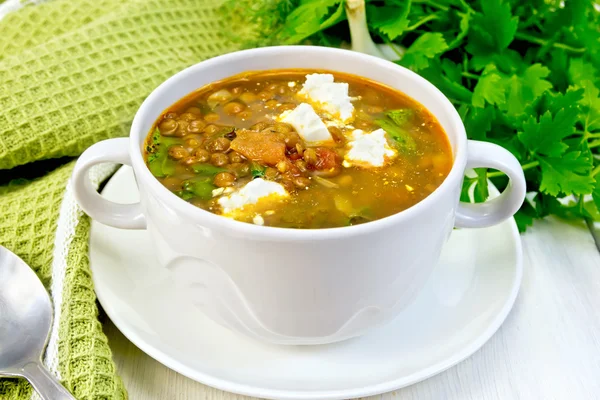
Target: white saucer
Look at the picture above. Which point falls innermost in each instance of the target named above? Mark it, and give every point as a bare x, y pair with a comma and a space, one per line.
465, 301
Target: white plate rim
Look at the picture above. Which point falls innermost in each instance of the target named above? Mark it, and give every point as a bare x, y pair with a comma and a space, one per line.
262, 392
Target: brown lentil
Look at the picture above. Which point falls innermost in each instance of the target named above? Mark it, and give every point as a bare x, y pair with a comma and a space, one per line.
178, 152
301, 181
301, 164
265, 95
194, 110
188, 116
201, 155
196, 126
235, 157
248, 97
282, 127
219, 159
224, 179
310, 156
233, 108
218, 144
212, 117
270, 173
211, 129
193, 141
286, 106
259, 126
271, 104
337, 134
168, 127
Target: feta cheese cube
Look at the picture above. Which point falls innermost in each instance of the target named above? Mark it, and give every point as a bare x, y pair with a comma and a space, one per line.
368, 149
254, 191
330, 96
307, 123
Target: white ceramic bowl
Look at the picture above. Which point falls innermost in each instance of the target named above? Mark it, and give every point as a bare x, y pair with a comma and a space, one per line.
292, 286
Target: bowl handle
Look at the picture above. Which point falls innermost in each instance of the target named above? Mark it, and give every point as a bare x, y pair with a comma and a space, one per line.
494, 211
128, 216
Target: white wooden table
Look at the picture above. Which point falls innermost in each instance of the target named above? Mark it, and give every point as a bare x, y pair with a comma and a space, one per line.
548, 348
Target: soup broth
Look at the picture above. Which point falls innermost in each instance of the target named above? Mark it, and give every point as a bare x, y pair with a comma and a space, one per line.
299, 149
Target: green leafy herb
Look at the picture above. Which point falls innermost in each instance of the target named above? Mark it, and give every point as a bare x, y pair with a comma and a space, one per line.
201, 188
490, 88
401, 116
569, 173
390, 20
422, 50
152, 147
159, 162
257, 170
185, 195
524, 75
480, 189
394, 124
207, 169
492, 29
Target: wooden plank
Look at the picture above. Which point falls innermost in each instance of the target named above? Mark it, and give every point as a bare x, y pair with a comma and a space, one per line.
549, 347
594, 228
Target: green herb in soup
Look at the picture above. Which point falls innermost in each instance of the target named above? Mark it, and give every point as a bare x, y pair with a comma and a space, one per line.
299, 149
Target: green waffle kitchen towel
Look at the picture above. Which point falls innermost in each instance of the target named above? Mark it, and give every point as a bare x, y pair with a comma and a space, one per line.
73, 72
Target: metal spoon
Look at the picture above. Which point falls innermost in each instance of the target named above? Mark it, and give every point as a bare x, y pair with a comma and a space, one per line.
25, 320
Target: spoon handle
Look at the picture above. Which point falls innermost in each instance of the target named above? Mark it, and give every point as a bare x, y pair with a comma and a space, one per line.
45, 383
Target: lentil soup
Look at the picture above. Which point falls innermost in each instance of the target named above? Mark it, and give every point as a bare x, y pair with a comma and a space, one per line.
299, 149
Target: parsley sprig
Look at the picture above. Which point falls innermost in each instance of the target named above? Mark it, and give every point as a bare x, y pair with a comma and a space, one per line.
522, 74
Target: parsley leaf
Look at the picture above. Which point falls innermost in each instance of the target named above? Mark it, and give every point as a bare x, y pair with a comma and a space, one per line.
401, 116
481, 188
490, 88
545, 136
590, 103
493, 29
465, 20
452, 88
524, 89
568, 174
391, 21
394, 125
310, 17
426, 47
478, 121
402, 138
579, 71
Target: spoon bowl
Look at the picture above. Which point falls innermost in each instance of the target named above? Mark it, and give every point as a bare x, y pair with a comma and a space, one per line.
25, 321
